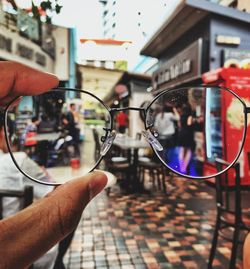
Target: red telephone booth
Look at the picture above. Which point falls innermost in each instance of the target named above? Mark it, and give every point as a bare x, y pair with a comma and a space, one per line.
238, 80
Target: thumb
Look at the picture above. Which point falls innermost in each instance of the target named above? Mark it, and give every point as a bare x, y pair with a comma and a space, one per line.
71, 198
44, 223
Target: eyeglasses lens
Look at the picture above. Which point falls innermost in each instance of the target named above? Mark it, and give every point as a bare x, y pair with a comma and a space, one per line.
195, 126
54, 137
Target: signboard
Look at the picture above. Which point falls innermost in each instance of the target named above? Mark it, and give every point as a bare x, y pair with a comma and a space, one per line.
27, 25
33, 29
122, 91
121, 65
183, 67
13, 47
120, 88
236, 58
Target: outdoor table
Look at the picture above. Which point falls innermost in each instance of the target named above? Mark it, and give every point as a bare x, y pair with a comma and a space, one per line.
41, 142
44, 137
132, 145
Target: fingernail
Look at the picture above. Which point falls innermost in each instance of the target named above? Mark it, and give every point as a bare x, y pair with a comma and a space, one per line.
97, 184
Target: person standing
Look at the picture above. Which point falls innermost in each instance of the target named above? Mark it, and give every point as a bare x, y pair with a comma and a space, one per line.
165, 126
32, 125
70, 123
122, 121
186, 138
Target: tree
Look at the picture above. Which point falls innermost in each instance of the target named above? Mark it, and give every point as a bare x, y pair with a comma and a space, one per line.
49, 7
46, 7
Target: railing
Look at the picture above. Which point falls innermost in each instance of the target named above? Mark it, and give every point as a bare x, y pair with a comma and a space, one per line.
28, 28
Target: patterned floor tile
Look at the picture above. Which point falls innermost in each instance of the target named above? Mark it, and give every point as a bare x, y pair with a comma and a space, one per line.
148, 230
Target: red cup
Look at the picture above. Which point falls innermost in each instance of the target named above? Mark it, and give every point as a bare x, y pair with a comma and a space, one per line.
75, 163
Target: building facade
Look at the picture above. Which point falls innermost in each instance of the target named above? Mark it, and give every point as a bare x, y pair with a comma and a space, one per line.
204, 42
196, 38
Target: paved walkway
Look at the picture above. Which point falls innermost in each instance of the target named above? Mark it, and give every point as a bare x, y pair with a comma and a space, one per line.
151, 231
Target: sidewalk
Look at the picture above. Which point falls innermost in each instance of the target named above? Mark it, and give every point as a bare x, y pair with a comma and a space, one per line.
149, 231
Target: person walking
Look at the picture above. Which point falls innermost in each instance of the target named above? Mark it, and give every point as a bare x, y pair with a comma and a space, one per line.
165, 122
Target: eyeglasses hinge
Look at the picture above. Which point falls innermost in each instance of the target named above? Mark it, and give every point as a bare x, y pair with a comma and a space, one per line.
247, 110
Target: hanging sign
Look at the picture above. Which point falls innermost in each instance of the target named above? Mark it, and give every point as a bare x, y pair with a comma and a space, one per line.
183, 67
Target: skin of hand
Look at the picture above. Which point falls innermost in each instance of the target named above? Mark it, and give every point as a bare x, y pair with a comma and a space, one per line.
246, 258
30, 233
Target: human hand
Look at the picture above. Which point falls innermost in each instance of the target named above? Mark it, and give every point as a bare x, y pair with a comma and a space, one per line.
246, 251
34, 230
18, 79
175, 110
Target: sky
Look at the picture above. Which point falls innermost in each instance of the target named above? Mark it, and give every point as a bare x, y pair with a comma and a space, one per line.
85, 15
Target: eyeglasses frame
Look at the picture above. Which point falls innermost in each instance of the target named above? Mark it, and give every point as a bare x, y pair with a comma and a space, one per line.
112, 112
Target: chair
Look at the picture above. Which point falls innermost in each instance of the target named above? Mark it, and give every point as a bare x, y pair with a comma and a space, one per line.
117, 154
114, 161
156, 172
97, 145
232, 221
62, 249
30, 144
120, 166
26, 194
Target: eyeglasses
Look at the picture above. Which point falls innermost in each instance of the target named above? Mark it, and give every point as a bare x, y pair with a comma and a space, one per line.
187, 128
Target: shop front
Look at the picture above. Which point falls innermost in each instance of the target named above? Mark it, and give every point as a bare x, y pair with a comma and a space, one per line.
197, 38
131, 90
48, 48
43, 47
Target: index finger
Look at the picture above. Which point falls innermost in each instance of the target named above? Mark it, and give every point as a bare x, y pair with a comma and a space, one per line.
18, 79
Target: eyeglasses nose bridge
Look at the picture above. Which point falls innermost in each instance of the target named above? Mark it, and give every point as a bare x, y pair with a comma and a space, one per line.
108, 143
152, 140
